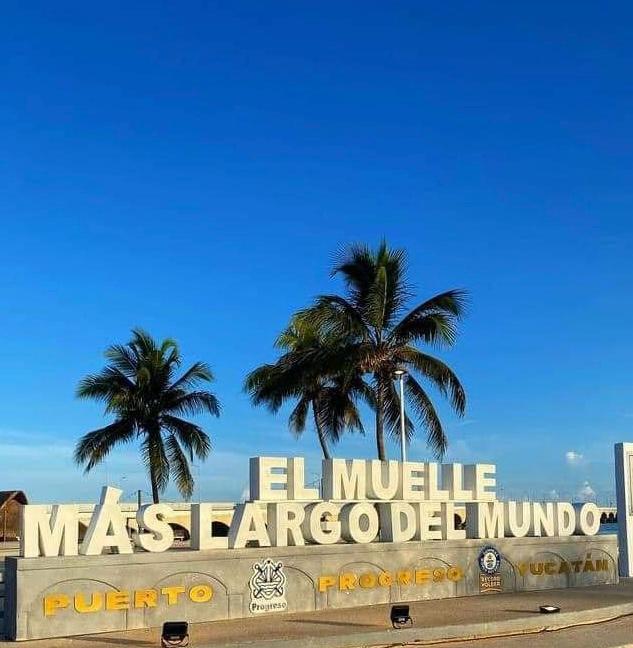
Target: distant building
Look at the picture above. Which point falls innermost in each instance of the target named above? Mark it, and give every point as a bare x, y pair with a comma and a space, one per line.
10, 514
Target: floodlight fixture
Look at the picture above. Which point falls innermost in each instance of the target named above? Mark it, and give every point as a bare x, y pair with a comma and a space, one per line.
175, 634
400, 616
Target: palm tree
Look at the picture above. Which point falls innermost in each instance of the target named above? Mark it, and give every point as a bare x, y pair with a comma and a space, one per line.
296, 376
380, 338
139, 389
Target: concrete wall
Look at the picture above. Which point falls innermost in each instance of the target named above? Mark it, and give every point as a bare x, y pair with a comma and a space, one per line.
527, 564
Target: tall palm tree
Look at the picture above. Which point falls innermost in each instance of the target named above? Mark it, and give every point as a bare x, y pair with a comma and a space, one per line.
140, 390
380, 338
296, 376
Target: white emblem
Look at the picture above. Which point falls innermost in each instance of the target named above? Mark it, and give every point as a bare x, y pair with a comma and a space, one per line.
268, 587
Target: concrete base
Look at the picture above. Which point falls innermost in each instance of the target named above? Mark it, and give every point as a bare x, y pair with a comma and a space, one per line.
316, 578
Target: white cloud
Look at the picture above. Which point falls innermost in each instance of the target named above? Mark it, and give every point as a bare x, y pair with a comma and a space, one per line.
573, 458
586, 493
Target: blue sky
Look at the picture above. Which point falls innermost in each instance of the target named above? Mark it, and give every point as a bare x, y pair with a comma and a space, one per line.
192, 169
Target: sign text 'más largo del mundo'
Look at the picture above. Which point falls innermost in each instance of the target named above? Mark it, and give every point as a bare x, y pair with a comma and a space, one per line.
362, 501
375, 532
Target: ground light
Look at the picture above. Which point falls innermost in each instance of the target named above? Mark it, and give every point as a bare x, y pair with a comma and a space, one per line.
400, 616
548, 609
175, 633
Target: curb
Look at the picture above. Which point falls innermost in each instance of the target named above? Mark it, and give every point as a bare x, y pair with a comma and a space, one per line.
422, 636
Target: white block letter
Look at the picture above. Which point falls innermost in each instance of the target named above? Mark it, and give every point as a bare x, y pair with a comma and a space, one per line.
284, 524
344, 480
201, 526
107, 526
565, 519
398, 521
296, 482
162, 535
248, 526
453, 481
484, 520
266, 472
517, 524
382, 479
587, 519
359, 522
44, 536
413, 478
321, 525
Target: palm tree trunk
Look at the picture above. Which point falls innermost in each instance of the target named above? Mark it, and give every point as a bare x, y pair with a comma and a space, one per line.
152, 477
380, 423
321, 435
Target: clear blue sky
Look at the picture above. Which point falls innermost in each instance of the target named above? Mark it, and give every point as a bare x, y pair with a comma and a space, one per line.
192, 167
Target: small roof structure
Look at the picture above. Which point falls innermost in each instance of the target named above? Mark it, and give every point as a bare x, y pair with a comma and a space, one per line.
9, 496
11, 513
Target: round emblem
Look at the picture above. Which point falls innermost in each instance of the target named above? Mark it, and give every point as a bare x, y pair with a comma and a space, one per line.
489, 560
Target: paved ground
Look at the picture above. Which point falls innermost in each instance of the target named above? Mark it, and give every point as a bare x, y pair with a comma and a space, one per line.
369, 626
613, 634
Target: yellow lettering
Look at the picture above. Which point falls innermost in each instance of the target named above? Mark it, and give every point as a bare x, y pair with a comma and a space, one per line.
325, 582
550, 568
96, 602
367, 580
385, 579
346, 582
404, 577
55, 602
536, 569
564, 568
422, 576
588, 566
454, 574
145, 598
172, 593
522, 569
438, 575
117, 601
576, 564
602, 565
200, 593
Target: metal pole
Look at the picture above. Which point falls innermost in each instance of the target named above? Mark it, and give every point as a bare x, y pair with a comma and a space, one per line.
138, 496
403, 440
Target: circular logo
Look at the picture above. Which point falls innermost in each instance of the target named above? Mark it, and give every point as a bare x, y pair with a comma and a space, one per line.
489, 560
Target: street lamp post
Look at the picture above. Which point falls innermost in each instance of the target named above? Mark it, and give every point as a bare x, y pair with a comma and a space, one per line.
400, 374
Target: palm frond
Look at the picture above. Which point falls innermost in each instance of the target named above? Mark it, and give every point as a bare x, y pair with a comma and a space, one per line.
298, 417
155, 458
391, 404
336, 317
124, 358
95, 446
197, 373
192, 403
107, 386
191, 436
434, 321
423, 406
179, 467
356, 264
440, 374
